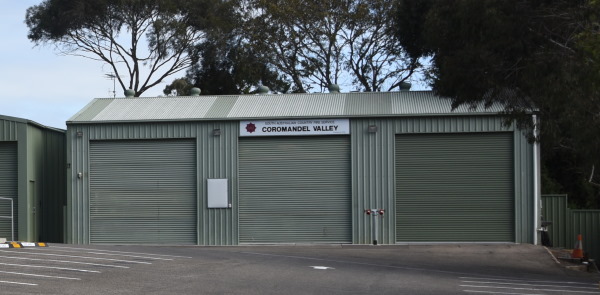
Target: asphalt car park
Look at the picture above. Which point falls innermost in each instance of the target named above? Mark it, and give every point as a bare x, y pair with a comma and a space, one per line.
306, 269
61, 269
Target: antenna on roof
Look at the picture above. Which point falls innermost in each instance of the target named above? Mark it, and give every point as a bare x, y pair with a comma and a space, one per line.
113, 77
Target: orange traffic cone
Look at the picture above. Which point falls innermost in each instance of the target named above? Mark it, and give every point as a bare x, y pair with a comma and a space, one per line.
578, 251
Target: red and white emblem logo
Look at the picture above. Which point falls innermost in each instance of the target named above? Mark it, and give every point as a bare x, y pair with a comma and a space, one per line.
250, 127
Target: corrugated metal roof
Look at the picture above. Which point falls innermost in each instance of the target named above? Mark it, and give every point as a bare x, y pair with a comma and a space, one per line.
315, 105
288, 105
156, 108
26, 121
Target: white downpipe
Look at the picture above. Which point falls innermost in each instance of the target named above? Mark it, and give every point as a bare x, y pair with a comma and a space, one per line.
537, 192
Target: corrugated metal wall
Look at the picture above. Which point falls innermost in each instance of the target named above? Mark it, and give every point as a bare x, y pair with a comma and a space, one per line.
568, 223
555, 209
41, 179
586, 223
8, 130
372, 170
31, 182
524, 189
218, 155
372, 180
54, 187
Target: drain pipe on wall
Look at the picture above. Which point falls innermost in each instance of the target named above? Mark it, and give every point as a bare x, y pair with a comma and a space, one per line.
537, 191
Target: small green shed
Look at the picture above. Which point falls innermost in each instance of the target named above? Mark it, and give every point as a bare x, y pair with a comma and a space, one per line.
32, 175
298, 168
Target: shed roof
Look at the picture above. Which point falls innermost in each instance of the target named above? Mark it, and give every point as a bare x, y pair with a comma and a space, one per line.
30, 122
272, 106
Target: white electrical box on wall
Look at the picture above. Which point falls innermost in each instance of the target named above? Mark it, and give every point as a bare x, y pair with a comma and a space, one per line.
218, 196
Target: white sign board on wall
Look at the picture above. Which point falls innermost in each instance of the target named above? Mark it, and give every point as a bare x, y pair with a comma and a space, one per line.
295, 127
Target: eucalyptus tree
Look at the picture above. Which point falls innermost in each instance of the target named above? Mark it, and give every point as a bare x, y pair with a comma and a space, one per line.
528, 55
375, 58
226, 63
318, 43
142, 41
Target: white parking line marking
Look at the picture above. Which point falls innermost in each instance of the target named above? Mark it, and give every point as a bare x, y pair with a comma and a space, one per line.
529, 289
533, 285
111, 251
83, 257
101, 253
132, 256
502, 293
17, 283
66, 261
36, 275
49, 267
529, 281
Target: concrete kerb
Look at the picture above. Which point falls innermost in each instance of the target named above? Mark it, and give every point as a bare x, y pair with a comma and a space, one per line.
552, 255
560, 257
22, 244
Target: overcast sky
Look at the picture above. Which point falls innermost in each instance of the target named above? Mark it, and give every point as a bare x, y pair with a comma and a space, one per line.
38, 84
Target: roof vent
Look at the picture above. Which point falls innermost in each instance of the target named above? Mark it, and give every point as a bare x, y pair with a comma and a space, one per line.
195, 91
405, 86
263, 89
129, 93
334, 88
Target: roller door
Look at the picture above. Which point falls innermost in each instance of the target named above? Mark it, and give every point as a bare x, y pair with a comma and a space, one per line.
8, 187
295, 190
455, 188
143, 191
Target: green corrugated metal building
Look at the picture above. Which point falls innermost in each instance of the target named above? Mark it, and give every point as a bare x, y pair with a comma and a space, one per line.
32, 173
298, 168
